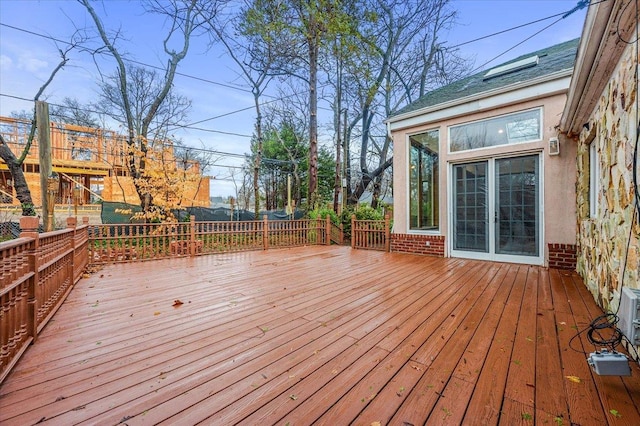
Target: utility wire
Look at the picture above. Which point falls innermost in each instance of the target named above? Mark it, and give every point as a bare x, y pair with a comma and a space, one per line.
581, 5
100, 113
57, 40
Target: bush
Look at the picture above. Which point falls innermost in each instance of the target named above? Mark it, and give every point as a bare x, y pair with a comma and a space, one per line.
322, 214
369, 213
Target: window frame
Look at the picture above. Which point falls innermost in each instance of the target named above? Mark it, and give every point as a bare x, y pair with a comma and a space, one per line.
594, 179
436, 229
538, 138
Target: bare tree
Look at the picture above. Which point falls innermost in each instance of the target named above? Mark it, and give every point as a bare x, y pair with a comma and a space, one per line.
23, 194
257, 61
303, 29
185, 19
399, 57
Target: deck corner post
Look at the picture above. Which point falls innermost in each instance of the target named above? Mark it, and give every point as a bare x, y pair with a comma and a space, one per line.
387, 234
327, 231
192, 236
72, 223
265, 232
353, 229
29, 229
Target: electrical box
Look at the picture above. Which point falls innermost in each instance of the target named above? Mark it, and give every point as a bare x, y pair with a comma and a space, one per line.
629, 314
606, 363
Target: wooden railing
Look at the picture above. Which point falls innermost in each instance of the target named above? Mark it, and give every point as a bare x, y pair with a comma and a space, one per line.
137, 242
336, 234
370, 234
37, 272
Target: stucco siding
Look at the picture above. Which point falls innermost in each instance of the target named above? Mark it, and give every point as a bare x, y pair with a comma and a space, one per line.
558, 172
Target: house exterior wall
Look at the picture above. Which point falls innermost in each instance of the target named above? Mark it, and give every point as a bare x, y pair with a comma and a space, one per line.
557, 183
602, 240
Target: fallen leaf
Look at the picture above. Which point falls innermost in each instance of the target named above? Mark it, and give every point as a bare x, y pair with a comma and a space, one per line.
615, 413
156, 313
574, 379
293, 397
177, 303
376, 424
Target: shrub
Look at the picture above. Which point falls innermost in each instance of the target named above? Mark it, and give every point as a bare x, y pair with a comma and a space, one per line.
322, 214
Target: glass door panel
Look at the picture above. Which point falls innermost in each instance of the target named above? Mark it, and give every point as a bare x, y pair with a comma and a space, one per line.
517, 206
470, 205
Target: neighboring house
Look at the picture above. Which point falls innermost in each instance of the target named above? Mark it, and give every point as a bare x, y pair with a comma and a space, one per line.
601, 115
480, 170
89, 159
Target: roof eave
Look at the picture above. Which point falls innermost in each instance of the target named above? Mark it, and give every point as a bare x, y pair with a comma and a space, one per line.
599, 52
538, 81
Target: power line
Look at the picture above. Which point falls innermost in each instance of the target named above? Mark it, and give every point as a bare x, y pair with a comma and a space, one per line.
100, 113
229, 86
581, 5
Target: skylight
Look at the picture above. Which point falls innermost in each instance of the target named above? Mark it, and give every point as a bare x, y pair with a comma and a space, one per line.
529, 62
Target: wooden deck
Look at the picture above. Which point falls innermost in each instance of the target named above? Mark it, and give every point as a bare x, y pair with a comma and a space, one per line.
319, 335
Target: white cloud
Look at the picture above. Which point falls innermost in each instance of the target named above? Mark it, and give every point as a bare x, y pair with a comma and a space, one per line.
30, 64
6, 63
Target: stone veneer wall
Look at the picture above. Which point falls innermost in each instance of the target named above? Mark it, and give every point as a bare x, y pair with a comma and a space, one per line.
602, 241
562, 256
419, 244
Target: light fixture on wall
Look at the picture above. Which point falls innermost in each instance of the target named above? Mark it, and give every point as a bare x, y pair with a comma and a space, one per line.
554, 146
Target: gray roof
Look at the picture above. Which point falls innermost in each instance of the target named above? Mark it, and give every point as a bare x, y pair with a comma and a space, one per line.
551, 60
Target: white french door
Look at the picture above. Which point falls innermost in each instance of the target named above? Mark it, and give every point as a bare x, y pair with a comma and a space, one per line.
496, 211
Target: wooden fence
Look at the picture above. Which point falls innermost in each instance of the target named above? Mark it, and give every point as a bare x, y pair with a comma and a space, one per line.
370, 234
37, 272
136, 242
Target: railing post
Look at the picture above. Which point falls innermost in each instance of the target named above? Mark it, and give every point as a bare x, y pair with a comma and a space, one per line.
327, 231
353, 231
29, 229
387, 234
72, 222
265, 233
85, 220
192, 236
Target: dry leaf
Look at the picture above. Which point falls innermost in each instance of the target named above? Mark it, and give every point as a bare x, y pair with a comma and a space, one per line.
156, 313
574, 379
376, 424
293, 397
177, 303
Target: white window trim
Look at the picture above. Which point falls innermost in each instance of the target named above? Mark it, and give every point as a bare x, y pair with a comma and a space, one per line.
409, 231
540, 113
594, 179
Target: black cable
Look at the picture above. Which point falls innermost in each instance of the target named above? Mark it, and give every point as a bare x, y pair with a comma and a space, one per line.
526, 24
581, 5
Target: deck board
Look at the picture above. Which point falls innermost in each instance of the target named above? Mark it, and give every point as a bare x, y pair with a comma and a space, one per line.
319, 335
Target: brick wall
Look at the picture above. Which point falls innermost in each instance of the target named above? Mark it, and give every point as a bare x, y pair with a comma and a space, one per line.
419, 244
562, 256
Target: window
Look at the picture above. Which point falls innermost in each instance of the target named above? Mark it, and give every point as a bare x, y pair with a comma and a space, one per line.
594, 179
423, 181
525, 126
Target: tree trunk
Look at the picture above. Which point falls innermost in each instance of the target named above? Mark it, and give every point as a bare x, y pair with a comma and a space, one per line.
312, 41
19, 181
256, 167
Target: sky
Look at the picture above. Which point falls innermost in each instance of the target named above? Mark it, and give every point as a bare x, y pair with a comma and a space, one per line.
26, 60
